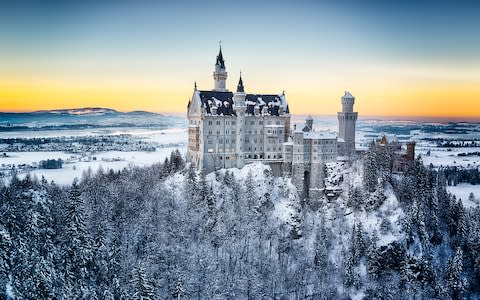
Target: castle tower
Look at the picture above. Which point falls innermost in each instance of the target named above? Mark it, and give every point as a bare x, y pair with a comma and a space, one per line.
240, 108
410, 151
346, 124
220, 73
309, 123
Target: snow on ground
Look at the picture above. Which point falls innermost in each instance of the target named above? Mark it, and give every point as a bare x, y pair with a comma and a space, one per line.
389, 210
115, 160
463, 190
283, 210
171, 139
448, 156
32, 157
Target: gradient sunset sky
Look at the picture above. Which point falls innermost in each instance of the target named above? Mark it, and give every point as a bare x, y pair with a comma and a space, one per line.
405, 58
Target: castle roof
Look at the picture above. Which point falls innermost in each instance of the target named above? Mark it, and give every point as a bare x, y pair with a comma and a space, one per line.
223, 101
272, 102
348, 95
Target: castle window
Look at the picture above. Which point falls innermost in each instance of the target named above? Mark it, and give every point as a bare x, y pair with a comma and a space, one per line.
278, 122
233, 122
209, 122
268, 156
209, 132
260, 122
218, 122
261, 155
252, 123
218, 132
227, 122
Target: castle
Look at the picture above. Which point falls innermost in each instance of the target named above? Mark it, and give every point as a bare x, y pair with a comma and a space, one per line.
230, 129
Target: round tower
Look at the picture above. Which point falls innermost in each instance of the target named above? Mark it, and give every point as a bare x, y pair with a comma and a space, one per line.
347, 120
220, 73
309, 122
240, 108
347, 102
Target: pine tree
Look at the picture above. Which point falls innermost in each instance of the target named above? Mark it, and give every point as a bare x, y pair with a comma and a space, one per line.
77, 249
250, 195
454, 275
141, 286
5, 246
373, 263
191, 187
179, 291
370, 171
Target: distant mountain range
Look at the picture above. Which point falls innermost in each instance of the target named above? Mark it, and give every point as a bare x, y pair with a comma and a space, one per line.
87, 117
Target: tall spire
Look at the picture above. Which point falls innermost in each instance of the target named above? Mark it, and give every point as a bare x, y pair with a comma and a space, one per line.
220, 62
240, 88
220, 73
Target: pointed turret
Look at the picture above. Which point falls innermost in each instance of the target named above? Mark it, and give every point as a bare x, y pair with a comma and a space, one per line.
220, 62
220, 73
240, 88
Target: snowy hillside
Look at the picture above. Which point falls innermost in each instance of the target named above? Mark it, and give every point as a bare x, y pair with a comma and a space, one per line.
167, 231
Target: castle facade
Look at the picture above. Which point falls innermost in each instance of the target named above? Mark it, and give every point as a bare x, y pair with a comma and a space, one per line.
230, 129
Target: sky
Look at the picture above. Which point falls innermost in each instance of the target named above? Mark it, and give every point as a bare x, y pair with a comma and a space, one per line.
407, 58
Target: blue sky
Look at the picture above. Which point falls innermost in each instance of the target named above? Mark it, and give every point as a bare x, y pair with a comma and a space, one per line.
292, 45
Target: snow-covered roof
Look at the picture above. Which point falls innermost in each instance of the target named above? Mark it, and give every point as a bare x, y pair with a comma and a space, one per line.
271, 102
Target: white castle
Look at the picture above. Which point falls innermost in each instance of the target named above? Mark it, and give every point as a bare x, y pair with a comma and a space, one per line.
230, 129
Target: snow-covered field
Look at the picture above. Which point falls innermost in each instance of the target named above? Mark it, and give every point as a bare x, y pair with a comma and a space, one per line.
463, 190
448, 156
75, 164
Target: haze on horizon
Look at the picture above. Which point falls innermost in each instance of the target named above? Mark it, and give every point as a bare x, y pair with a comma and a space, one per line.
398, 59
